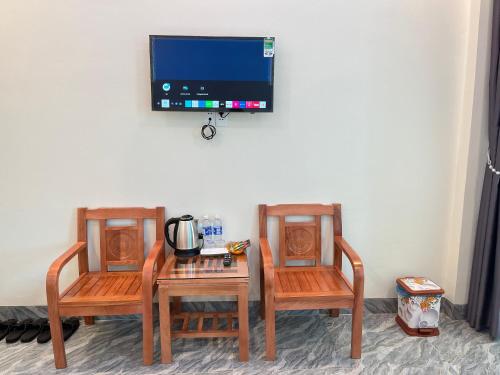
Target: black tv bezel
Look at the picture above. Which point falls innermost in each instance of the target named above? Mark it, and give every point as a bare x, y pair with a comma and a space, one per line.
183, 109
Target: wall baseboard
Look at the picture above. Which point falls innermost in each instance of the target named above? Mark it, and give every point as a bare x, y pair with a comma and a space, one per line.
372, 306
454, 311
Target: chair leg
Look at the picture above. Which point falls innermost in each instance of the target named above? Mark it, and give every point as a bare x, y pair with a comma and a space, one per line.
89, 320
262, 305
334, 313
270, 331
147, 337
357, 329
56, 333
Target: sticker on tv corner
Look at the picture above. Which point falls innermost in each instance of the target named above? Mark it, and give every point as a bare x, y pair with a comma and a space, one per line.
268, 47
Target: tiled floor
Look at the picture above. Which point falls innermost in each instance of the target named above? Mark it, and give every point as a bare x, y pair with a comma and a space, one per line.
306, 345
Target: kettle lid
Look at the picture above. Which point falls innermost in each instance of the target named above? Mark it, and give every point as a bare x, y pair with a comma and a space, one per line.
186, 218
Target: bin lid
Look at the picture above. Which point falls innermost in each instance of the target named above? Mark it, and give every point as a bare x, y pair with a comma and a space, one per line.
419, 285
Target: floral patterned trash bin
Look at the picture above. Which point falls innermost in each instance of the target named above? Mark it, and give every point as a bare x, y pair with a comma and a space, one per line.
419, 301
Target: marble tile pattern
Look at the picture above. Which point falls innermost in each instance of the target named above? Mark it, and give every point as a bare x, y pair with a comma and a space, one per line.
307, 343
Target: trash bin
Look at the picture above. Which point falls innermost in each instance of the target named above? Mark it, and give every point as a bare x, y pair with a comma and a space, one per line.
419, 300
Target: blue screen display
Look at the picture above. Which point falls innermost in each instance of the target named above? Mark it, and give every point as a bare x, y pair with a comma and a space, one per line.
211, 59
223, 72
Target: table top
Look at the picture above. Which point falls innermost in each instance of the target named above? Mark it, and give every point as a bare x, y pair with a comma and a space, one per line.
203, 267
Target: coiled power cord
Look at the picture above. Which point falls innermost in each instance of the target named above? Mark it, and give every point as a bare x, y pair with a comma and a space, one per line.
211, 132
208, 131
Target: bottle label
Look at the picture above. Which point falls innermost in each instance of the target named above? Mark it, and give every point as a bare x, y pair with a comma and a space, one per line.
207, 231
218, 230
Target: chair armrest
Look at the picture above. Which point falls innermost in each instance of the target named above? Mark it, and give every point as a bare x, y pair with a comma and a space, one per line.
156, 255
351, 254
265, 251
52, 280
354, 259
267, 265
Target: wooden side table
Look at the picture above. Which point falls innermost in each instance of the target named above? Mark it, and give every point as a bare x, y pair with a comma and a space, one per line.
202, 276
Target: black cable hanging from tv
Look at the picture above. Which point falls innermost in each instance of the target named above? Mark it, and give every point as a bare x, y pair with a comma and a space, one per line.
211, 128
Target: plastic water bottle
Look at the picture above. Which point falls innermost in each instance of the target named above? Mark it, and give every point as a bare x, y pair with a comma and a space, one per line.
208, 234
217, 225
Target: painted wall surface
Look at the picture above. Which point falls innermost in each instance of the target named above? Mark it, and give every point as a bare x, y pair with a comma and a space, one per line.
477, 151
366, 112
471, 146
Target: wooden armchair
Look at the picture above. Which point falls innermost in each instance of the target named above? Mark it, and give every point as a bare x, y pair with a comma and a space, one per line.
304, 288
105, 292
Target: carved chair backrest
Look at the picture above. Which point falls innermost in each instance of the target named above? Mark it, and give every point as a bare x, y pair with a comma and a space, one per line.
300, 240
121, 245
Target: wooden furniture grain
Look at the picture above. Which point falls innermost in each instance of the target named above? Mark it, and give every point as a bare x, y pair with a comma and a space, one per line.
108, 292
307, 287
202, 276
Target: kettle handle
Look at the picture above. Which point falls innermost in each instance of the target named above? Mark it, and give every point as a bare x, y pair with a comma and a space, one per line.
174, 220
200, 238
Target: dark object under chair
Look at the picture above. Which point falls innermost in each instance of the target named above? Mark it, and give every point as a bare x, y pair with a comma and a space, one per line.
69, 327
28, 329
5, 327
17, 330
33, 330
44, 335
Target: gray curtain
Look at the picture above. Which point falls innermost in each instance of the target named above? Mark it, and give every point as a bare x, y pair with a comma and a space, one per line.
483, 309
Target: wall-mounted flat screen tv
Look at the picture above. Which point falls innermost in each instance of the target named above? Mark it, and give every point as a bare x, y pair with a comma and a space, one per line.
211, 74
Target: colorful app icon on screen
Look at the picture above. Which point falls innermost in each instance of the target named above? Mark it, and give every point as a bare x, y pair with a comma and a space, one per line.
236, 104
194, 103
229, 104
201, 103
188, 104
243, 104
166, 87
215, 104
252, 104
262, 104
165, 103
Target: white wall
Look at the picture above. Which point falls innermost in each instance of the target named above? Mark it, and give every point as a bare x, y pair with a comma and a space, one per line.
366, 110
472, 143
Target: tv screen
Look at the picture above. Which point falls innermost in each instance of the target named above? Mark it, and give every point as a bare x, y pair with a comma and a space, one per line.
211, 74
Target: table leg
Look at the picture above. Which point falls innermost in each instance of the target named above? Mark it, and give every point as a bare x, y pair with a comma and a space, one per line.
243, 321
165, 330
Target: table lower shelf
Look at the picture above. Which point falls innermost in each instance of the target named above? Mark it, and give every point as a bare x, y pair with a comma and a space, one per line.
208, 324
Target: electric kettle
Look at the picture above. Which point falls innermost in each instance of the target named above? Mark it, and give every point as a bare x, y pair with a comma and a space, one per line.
186, 241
